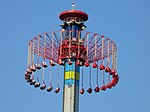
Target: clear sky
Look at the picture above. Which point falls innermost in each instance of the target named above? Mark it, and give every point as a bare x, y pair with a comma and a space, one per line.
127, 22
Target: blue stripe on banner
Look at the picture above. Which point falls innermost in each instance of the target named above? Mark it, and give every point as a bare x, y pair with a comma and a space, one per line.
71, 67
71, 82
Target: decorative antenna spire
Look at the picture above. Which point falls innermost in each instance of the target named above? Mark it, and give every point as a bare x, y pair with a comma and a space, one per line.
73, 5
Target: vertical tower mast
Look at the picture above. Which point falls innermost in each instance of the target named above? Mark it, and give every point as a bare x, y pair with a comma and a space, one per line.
73, 24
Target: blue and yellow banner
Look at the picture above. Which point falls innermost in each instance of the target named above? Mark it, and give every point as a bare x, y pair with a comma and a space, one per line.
72, 74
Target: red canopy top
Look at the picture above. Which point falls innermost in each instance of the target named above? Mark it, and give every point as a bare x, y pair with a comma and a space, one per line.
73, 13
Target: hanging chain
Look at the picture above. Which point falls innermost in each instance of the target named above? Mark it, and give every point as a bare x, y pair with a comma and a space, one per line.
78, 46
38, 49
97, 76
28, 62
61, 43
31, 52
50, 76
116, 58
103, 77
43, 75
87, 45
33, 75
102, 50
108, 62
90, 78
108, 54
57, 77
70, 33
113, 57
33, 44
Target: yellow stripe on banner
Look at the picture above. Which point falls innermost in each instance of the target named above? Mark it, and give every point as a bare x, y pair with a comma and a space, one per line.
71, 75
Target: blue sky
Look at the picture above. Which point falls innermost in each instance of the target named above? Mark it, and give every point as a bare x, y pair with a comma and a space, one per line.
127, 22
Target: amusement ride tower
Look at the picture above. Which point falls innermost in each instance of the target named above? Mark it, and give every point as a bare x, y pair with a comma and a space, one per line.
73, 48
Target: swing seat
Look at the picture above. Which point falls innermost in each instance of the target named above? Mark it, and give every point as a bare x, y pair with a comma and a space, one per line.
114, 82
114, 79
79, 63
69, 62
117, 80
82, 91
33, 68
96, 89
52, 63
29, 71
107, 69
103, 88
29, 80
25, 73
44, 64
111, 83
109, 86
102, 67
27, 76
60, 62
37, 84
33, 82
86, 64
43, 87
95, 65
38, 66
115, 76
49, 89
110, 72
113, 72
89, 90
57, 90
